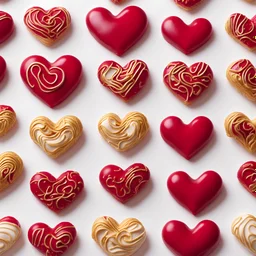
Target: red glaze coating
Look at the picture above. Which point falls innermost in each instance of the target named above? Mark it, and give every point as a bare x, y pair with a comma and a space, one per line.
10, 219
198, 241
186, 38
6, 26
5, 107
117, 33
186, 139
125, 82
2, 68
51, 82
124, 184
58, 193
187, 4
52, 241
194, 195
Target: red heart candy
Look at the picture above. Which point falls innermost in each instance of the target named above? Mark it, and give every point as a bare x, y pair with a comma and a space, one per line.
186, 139
6, 26
186, 38
2, 68
58, 193
124, 184
194, 195
51, 82
117, 33
125, 82
187, 4
198, 241
52, 241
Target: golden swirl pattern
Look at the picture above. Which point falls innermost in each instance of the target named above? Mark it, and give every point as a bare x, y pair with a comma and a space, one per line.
118, 239
5, 16
249, 172
123, 134
7, 121
55, 138
11, 167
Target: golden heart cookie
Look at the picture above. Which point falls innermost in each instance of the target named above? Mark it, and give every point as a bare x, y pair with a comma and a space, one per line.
11, 167
115, 239
123, 134
55, 138
7, 119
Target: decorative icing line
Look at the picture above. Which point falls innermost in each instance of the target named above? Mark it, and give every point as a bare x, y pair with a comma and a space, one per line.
250, 176
5, 16
7, 121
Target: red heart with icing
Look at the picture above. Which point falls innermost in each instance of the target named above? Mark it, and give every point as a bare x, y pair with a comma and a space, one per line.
187, 83
186, 38
125, 82
186, 139
58, 193
124, 184
6, 26
198, 241
117, 33
2, 68
194, 195
187, 4
52, 241
51, 82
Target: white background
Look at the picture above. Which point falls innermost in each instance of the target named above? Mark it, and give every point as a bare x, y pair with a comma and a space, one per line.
154, 206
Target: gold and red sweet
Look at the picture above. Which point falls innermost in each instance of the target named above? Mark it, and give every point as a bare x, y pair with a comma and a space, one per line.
188, 4
7, 119
6, 26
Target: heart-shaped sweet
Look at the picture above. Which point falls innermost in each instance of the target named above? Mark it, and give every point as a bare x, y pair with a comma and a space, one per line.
117, 33
198, 241
58, 193
7, 119
2, 68
51, 82
55, 138
187, 4
242, 29
186, 38
47, 26
186, 139
122, 239
194, 195
187, 83
52, 241
10, 232
123, 134
124, 184
125, 82
6, 26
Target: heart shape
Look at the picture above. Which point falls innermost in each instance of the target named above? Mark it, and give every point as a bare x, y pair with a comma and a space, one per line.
11, 168
123, 134
187, 83
186, 38
125, 82
242, 29
6, 26
52, 241
51, 82
194, 195
124, 184
47, 26
183, 241
186, 139
58, 193
55, 138
7, 119
10, 232
187, 4
122, 239
2, 68
117, 33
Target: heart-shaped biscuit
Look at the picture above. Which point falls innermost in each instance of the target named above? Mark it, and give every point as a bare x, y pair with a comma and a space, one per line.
55, 138
115, 239
6, 26
187, 4
123, 134
2, 68
7, 119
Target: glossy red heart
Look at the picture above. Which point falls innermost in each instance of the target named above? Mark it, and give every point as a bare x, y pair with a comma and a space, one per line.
52, 241
186, 139
2, 68
58, 193
124, 184
51, 82
187, 4
198, 241
186, 38
196, 194
6, 26
117, 33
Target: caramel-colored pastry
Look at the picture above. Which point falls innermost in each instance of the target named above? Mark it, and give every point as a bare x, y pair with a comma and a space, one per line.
118, 239
55, 138
123, 134
7, 119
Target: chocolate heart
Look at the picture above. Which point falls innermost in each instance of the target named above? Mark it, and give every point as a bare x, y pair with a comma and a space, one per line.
7, 119
186, 38
187, 83
6, 26
117, 33
2, 68
125, 82
186, 139
52, 241
187, 4
51, 82
194, 195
